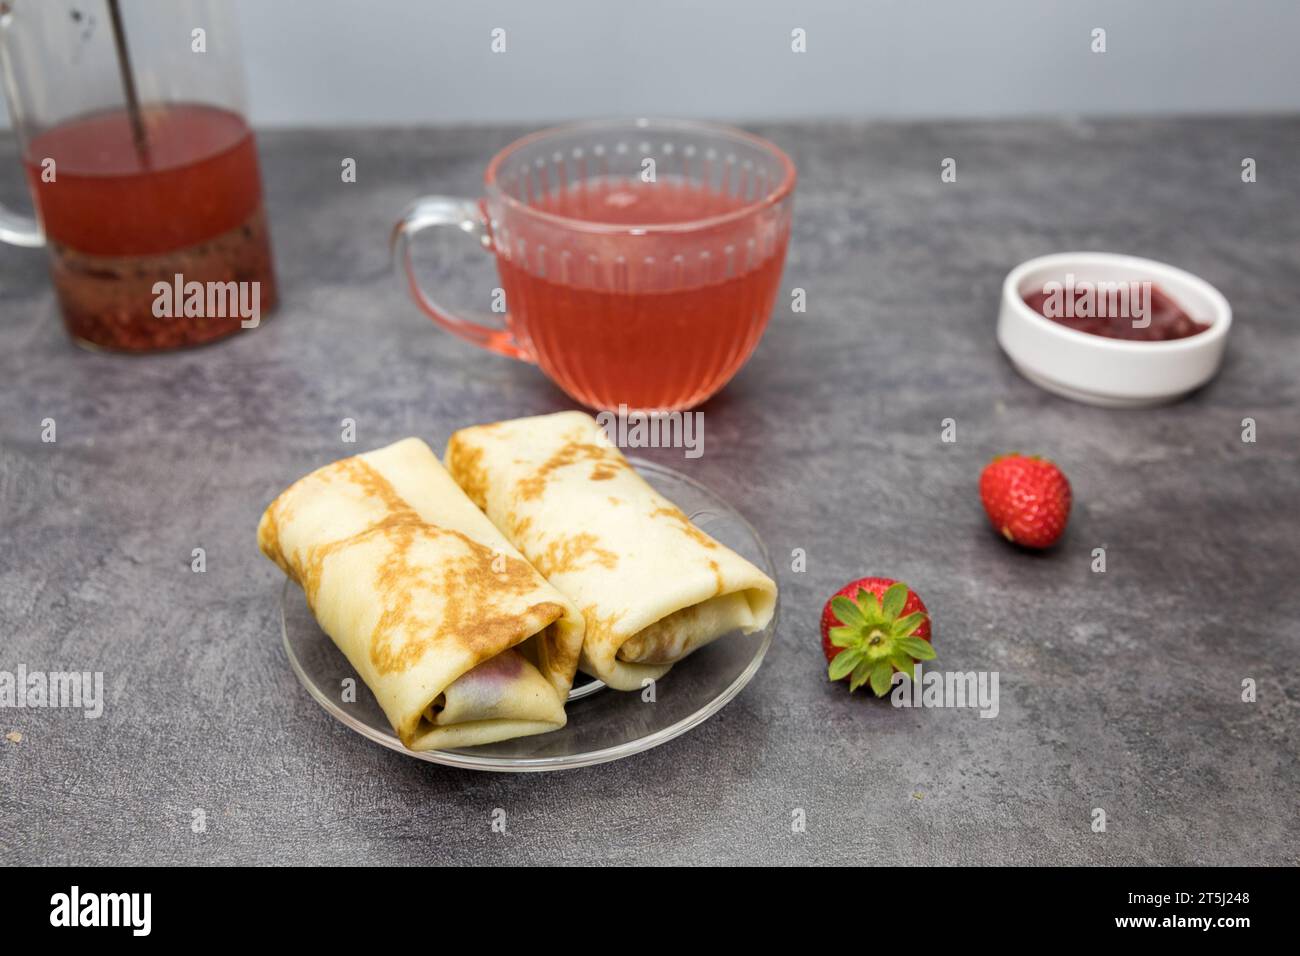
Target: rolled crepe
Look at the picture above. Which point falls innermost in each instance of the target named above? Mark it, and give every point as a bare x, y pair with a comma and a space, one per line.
460, 639
651, 585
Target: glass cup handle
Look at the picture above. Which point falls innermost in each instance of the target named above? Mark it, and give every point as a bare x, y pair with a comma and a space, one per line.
467, 216
19, 230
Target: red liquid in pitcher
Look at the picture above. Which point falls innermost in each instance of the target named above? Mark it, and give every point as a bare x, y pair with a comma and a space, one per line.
119, 219
663, 331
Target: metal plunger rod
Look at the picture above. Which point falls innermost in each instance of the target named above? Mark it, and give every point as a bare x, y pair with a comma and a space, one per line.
128, 79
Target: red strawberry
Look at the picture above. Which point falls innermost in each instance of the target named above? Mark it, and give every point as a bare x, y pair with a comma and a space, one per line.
1027, 499
871, 628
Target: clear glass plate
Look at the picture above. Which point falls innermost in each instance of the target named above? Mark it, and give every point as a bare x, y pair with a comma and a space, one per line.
603, 724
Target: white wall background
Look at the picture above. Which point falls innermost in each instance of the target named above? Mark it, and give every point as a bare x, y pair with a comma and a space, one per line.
322, 62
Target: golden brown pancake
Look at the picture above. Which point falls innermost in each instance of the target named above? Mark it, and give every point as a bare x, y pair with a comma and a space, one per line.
460, 639
652, 586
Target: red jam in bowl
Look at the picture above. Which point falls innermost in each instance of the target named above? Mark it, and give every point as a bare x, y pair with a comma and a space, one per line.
1117, 310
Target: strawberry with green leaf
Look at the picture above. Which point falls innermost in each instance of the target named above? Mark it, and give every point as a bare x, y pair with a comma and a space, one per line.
873, 627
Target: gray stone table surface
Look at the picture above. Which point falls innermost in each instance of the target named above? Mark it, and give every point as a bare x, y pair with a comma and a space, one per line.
1120, 691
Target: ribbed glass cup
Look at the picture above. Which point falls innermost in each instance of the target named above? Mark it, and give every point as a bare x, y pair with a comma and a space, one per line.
639, 260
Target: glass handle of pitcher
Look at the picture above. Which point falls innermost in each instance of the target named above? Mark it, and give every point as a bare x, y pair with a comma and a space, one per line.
19, 230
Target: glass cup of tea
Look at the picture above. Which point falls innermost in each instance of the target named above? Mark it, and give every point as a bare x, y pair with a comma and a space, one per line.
639, 260
142, 169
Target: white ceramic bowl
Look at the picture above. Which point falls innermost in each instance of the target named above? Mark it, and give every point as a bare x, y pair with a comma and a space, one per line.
1105, 371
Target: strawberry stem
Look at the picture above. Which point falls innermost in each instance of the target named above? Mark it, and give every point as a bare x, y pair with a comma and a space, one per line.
875, 640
